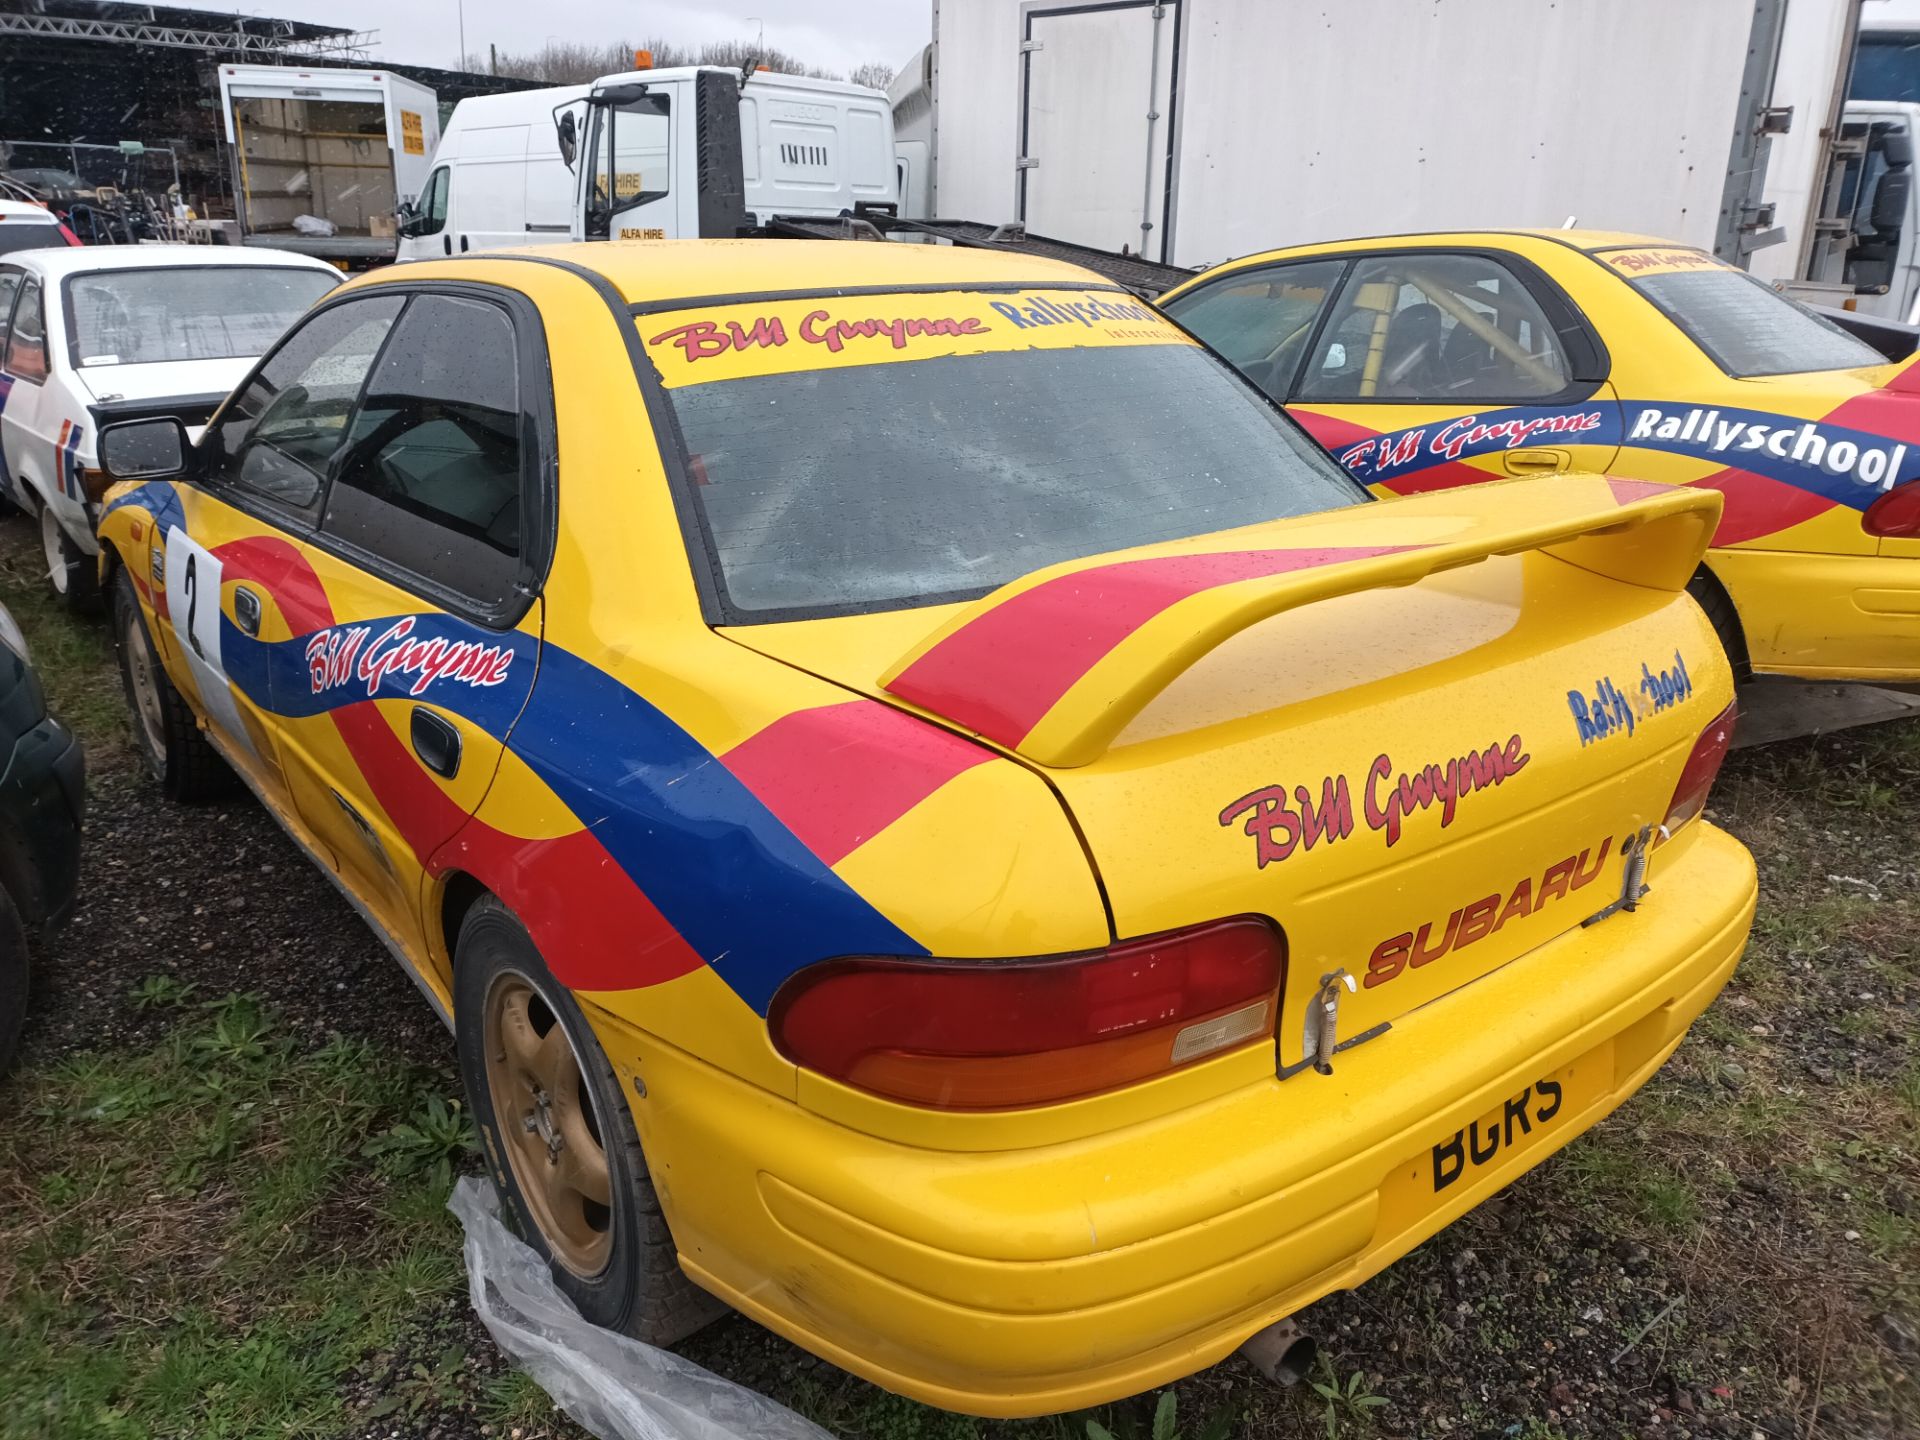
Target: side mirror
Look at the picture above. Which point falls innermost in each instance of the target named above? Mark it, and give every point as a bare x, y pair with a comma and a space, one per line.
619, 95
144, 449
568, 131
1897, 146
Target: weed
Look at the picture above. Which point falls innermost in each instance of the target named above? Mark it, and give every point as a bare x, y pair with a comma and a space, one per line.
439, 1133
1345, 1405
158, 991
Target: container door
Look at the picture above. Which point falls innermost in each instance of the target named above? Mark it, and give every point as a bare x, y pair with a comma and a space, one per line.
630, 180
1096, 124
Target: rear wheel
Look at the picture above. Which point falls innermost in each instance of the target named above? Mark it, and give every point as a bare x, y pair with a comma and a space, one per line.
165, 731
1705, 587
71, 572
559, 1140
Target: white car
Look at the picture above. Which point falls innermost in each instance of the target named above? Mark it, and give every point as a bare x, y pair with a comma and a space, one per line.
31, 227
103, 333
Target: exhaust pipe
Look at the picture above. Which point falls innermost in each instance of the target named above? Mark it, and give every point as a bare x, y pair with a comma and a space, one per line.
1282, 1352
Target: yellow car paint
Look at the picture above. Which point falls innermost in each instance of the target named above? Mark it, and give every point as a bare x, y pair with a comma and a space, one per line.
1816, 594
1357, 723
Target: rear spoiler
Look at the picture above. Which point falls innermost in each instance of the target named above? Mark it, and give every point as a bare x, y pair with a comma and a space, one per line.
1053, 666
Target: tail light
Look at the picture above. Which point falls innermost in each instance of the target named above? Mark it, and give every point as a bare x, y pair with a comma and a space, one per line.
1895, 514
1702, 769
999, 1034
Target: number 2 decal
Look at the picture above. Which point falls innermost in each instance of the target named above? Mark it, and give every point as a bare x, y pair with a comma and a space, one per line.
193, 608
191, 584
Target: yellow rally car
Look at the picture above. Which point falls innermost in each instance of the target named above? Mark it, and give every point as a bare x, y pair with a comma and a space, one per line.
936, 815
1424, 362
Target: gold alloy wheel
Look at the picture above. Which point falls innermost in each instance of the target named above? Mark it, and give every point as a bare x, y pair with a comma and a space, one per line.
546, 1123
145, 682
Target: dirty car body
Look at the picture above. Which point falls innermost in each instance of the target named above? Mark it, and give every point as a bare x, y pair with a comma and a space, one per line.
1062, 877
1425, 362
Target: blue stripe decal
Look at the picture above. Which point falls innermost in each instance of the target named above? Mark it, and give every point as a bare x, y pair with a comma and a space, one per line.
739, 887
158, 498
1846, 466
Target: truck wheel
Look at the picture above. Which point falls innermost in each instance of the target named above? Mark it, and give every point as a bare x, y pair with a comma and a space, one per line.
1706, 589
558, 1139
71, 572
164, 728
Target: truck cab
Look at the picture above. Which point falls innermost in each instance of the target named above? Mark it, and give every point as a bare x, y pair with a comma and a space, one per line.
651, 155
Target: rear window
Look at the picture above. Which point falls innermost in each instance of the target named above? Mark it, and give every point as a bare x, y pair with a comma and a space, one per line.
29, 235
886, 452
140, 317
1745, 327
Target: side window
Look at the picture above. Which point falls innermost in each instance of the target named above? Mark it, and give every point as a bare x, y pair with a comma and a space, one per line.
631, 159
430, 479
431, 216
9, 287
1261, 320
27, 343
1436, 328
276, 436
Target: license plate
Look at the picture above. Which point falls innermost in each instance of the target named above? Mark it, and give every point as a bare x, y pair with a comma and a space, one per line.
1494, 1143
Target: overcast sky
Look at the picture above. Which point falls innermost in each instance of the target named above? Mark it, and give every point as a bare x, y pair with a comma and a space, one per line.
837, 34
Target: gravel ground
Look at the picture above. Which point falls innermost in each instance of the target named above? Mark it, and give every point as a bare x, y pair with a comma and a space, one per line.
1576, 1305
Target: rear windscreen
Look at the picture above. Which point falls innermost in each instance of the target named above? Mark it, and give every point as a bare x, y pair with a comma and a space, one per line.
29, 235
138, 317
1746, 328
887, 452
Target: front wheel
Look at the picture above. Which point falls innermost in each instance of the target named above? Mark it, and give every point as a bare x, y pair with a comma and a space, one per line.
71, 572
165, 731
559, 1140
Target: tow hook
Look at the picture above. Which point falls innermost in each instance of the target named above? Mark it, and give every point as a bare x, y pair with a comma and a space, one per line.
1633, 884
1323, 1020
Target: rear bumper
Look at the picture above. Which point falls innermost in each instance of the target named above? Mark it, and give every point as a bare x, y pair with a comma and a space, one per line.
1826, 617
1023, 1282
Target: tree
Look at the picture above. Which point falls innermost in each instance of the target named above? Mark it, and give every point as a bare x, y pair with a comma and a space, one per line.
576, 62
874, 74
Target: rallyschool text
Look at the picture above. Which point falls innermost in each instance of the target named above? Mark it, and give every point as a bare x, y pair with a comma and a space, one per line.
1804, 444
1053, 312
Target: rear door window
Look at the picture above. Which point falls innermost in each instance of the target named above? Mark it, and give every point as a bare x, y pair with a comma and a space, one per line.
1745, 327
27, 342
30, 235
9, 290
1436, 329
1261, 320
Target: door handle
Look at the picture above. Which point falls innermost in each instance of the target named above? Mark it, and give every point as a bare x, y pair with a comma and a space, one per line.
436, 742
446, 244
1536, 462
246, 610
463, 244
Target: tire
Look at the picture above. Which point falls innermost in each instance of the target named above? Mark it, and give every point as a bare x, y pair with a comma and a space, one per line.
72, 574
165, 731
1706, 589
14, 977
539, 1101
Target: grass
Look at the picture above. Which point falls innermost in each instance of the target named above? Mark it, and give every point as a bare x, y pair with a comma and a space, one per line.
198, 1240
73, 655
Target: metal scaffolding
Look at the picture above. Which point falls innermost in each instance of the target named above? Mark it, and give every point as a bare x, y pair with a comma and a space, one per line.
270, 38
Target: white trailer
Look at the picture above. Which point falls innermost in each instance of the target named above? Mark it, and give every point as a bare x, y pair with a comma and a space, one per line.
323, 159
1190, 132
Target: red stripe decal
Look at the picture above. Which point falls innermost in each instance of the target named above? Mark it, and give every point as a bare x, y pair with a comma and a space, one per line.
1000, 673
594, 927
838, 775
1625, 492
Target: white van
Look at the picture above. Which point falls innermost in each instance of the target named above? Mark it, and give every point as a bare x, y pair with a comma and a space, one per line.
694, 151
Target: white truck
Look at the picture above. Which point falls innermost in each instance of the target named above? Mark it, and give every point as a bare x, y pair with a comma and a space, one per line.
1189, 133
324, 159
649, 155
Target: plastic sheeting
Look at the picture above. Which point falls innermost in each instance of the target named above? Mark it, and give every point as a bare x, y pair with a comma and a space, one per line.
617, 1387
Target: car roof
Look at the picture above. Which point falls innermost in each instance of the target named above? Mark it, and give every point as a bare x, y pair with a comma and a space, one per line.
650, 272
1587, 241
73, 260
21, 210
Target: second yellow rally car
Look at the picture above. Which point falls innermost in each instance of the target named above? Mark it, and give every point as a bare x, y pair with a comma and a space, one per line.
1424, 362
937, 816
